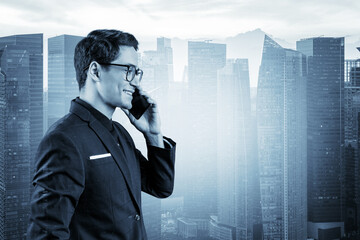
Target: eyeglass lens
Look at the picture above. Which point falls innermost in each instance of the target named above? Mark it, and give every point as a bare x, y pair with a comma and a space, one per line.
132, 72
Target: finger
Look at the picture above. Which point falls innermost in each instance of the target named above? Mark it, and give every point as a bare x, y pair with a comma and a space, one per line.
151, 101
148, 98
141, 91
144, 93
153, 108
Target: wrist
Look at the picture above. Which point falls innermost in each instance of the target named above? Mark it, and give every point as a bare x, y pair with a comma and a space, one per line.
155, 140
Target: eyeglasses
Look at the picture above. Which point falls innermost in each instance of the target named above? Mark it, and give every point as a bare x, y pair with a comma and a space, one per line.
130, 73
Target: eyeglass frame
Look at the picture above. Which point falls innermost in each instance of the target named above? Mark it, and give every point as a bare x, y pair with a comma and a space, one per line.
127, 72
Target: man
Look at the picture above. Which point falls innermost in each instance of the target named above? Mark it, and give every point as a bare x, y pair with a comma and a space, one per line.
88, 173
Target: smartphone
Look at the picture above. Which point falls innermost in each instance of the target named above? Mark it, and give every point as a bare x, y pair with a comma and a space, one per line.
139, 104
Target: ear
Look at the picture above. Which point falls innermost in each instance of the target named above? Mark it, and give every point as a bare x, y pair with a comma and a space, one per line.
94, 71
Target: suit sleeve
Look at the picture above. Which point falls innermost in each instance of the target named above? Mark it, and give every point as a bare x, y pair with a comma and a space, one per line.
157, 173
58, 183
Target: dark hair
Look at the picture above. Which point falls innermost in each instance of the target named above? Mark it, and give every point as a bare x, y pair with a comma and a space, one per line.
102, 46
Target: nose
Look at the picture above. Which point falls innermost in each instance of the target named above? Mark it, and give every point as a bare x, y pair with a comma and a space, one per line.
135, 82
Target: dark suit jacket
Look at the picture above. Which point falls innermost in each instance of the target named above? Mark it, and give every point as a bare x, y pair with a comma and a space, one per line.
77, 196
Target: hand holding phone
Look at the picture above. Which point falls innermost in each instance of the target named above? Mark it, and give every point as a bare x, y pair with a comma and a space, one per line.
139, 104
149, 124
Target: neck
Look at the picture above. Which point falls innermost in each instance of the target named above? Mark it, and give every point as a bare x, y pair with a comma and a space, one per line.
92, 99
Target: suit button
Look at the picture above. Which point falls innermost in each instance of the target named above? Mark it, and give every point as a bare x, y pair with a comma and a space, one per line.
137, 217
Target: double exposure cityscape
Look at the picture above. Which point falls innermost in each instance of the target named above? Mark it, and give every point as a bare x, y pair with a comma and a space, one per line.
277, 161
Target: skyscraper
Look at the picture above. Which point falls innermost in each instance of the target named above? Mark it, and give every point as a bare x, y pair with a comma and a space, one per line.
22, 123
33, 44
325, 94
2, 153
351, 151
235, 152
204, 59
281, 121
158, 70
158, 73
62, 84
15, 126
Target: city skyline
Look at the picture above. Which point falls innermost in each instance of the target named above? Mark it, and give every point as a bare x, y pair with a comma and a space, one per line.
201, 92
246, 45
187, 20
289, 20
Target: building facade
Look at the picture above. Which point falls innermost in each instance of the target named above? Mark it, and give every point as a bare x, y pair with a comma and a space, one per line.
325, 111
33, 43
15, 125
204, 60
62, 84
281, 121
351, 145
236, 158
22, 125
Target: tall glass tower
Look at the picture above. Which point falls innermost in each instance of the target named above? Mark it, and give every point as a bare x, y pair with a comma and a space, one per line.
236, 157
33, 43
204, 60
351, 146
62, 84
158, 70
2, 154
22, 124
325, 91
281, 121
15, 126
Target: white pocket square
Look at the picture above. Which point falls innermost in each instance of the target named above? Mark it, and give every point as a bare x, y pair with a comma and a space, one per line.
93, 157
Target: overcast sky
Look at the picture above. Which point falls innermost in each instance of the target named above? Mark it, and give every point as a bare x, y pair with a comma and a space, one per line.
286, 19
289, 20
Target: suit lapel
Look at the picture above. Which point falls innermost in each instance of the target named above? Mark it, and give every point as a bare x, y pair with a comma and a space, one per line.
109, 142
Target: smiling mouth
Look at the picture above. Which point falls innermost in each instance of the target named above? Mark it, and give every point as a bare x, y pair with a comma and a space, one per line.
129, 92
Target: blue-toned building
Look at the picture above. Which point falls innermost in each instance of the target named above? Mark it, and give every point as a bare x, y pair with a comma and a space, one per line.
200, 200
238, 194
21, 63
325, 111
33, 44
15, 139
62, 84
351, 146
281, 125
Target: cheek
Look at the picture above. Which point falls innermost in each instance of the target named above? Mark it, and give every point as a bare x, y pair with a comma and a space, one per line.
108, 91
120, 87
114, 87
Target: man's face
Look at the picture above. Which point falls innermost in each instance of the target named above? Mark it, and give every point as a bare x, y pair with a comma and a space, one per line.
113, 88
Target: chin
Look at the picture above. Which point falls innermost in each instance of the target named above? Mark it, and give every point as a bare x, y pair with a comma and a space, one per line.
126, 106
